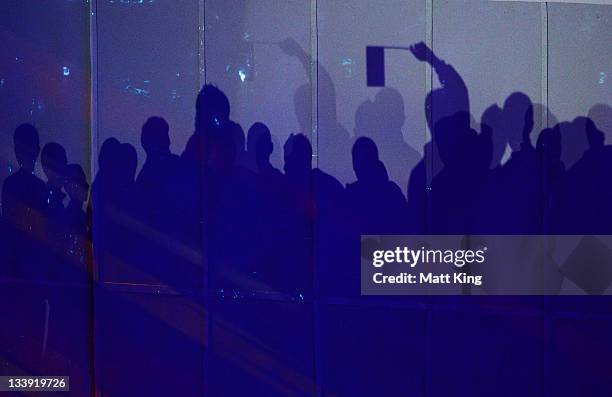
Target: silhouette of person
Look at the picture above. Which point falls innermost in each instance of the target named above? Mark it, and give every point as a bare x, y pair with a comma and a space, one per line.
363, 119
187, 205
228, 214
587, 194
601, 114
449, 99
259, 149
268, 207
315, 213
491, 128
495, 143
519, 192
23, 207
374, 205
333, 140
114, 203
159, 167
457, 186
417, 193
156, 175
53, 160
212, 112
76, 245
377, 204
552, 178
452, 97
382, 120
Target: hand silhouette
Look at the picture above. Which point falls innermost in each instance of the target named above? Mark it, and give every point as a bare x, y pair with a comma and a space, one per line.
421, 51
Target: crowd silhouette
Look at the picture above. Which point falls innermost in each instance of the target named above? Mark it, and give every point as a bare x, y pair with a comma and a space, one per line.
221, 213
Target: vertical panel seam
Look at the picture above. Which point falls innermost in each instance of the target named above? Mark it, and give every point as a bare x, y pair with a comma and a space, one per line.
92, 11
546, 315
314, 138
201, 44
314, 80
429, 32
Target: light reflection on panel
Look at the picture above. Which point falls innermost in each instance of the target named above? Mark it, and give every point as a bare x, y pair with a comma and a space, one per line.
149, 344
147, 66
44, 77
262, 348
244, 59
392, 116
495, 47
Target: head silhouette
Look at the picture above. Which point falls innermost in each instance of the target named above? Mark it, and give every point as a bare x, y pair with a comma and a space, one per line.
53, 160
154, 137
601, 114
456, 141
595, 138
108, 151
548, 145
579, 137
259, 143
388, 101
365, 159
75, 183
491, 126
518, 120
127, 161
27, 146
364, 119
212, 108
298, 155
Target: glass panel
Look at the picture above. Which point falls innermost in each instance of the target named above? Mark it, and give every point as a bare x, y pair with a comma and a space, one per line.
382, 347
485, 180
246, 61
150, 344
390, 119
486, 353
580, 356
262, 348
148, 65
258, 54
505, 50
577, 32
392, 116
579, 95
45, 81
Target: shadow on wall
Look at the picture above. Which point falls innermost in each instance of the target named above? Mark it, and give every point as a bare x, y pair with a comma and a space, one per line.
224, 212
225, 185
